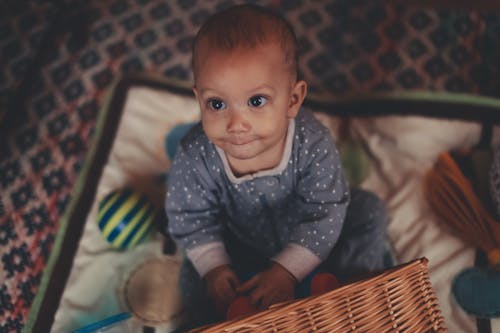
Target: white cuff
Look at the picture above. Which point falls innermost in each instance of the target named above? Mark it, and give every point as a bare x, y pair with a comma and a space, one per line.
208, 256
298, 260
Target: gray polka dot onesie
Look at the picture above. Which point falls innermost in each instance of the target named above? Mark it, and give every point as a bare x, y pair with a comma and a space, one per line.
292, 214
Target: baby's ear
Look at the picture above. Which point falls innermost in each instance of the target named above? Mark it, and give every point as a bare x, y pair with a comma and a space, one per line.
298, 93
195, 92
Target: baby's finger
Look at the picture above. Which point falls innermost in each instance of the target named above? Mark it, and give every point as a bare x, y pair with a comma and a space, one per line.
234, 282
257, 298
267, 301
273, 297
248, 285
280, 299
228, 292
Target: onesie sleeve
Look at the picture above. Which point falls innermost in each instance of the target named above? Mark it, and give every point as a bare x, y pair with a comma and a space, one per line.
192, 211
322, 199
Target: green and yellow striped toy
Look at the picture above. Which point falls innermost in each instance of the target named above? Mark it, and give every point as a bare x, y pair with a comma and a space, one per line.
125, 218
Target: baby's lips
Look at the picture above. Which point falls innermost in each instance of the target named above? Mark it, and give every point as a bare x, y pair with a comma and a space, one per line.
239, 141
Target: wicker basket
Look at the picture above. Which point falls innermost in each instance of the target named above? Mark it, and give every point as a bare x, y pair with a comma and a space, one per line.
398, 300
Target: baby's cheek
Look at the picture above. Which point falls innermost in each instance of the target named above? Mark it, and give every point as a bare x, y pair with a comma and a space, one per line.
213, 128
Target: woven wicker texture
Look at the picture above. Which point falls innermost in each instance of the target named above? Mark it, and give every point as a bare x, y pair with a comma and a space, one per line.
398, 300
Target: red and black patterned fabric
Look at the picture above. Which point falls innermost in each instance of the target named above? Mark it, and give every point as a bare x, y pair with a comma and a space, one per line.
58, 58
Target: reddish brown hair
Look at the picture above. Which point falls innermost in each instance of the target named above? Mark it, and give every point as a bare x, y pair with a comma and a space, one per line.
247, 26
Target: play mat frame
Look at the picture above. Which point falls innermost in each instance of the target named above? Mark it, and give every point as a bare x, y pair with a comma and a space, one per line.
484, 110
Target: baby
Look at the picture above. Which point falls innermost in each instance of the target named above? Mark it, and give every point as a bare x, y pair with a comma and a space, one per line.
257, 198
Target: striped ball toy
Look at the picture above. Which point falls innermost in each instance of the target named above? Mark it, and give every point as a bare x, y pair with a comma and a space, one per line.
125, 218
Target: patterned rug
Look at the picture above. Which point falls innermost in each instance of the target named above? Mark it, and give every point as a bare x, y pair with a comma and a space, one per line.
58, 59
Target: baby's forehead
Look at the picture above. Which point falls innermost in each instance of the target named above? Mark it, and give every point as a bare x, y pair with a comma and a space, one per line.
207, 50
207, 47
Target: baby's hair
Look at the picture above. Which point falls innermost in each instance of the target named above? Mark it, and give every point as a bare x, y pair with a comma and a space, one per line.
247, 26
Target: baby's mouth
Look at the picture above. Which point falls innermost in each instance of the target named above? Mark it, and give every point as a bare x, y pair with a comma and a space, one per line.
235, 141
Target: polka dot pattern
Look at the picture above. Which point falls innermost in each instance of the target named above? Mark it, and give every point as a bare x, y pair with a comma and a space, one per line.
304, 204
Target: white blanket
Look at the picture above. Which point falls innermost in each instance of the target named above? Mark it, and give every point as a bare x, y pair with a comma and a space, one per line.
401, 149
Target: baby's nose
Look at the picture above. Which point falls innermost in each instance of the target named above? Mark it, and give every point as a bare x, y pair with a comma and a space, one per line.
237, 122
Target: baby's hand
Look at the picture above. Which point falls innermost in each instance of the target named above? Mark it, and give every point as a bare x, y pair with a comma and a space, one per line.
221, 285
269, 287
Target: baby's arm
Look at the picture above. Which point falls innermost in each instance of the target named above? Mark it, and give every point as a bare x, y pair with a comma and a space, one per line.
322, 198
192, 210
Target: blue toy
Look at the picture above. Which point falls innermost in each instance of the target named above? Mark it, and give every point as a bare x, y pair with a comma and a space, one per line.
105, 324
477, 290
125, 218
174, 137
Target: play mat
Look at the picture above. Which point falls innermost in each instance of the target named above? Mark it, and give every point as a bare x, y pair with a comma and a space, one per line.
136, 138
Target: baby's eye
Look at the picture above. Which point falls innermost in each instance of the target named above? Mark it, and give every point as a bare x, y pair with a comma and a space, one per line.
216, 104
257, 101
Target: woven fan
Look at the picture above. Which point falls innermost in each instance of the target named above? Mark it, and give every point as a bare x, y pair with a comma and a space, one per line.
452, 197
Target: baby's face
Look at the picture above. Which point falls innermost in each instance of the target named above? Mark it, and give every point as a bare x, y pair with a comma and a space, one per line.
246, 99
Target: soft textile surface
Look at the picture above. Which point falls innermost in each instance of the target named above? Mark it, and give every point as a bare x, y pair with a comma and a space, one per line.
401, 150
137, 159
